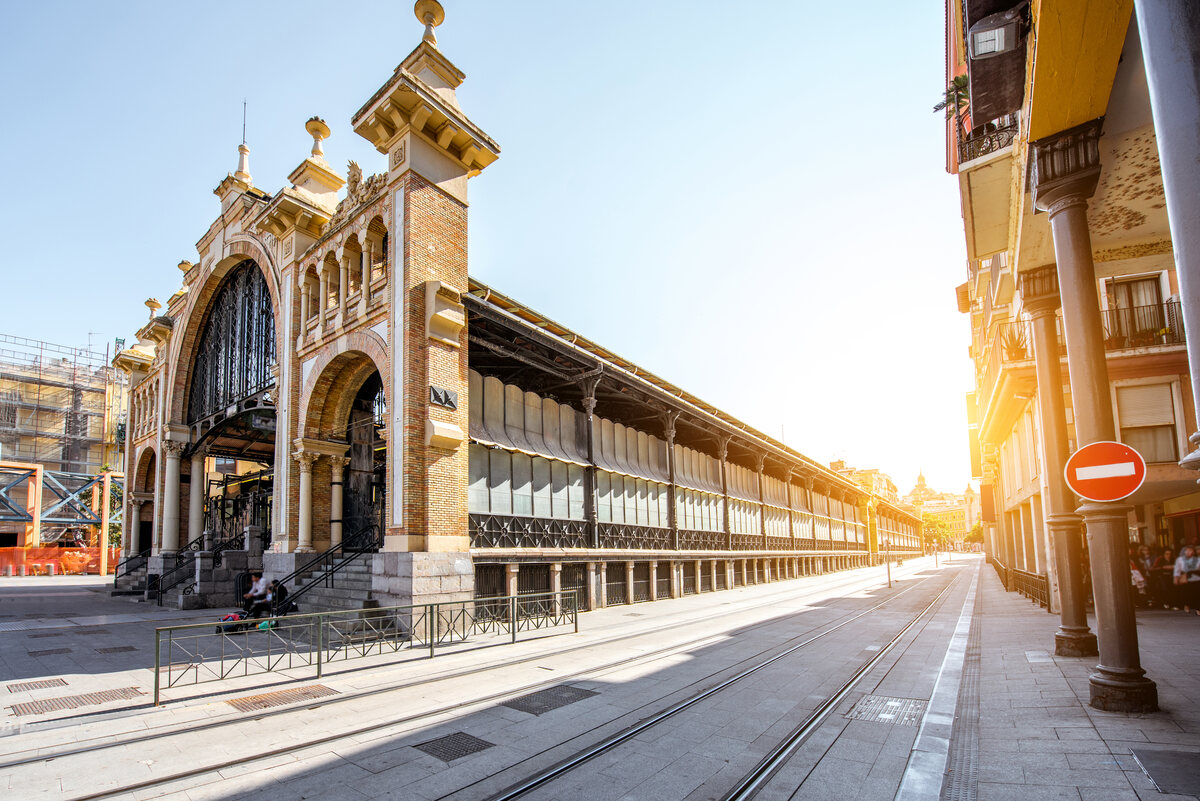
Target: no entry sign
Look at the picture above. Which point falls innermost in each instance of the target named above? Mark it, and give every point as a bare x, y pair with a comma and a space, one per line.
1105, 471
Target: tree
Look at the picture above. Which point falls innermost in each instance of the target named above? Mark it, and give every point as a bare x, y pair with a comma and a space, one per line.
935, 530
955, 98
975, 534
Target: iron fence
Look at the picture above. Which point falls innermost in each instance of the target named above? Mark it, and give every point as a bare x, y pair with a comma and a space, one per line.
1033, 586
301, 644
506, 531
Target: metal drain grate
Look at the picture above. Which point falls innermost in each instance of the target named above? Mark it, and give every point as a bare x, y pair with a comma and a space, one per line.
454, 746
961, 782
885, 709
91, 631
267, 700
44, 634
74, 701
44, 684
548, 700
116, 649
50, 652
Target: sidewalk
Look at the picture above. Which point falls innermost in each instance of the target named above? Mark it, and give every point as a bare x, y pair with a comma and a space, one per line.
1038, 738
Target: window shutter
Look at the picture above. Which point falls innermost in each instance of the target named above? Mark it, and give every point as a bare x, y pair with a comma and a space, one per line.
1146, 405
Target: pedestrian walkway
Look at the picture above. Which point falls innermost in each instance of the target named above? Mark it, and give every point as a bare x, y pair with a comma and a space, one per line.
1038, 738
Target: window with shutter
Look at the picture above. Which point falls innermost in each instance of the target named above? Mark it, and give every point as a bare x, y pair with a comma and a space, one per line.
1147, 416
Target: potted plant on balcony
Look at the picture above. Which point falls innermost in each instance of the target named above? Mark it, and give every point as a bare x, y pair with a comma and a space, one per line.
1015, 349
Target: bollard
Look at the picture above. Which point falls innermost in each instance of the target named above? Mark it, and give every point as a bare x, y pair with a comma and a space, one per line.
8, 570
22, 573
51, 569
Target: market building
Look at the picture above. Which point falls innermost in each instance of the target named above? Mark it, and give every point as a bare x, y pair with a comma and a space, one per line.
329, 385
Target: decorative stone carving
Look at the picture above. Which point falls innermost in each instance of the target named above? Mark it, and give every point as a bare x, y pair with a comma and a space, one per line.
358, 193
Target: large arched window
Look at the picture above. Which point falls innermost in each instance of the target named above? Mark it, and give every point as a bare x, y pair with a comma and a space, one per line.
237, 345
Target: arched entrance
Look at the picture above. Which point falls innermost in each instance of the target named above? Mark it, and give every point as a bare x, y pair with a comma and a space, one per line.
231, 413
141, 532
366, 472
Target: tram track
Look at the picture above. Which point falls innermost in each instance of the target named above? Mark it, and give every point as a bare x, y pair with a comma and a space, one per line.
750, 784
408, 722
149, 733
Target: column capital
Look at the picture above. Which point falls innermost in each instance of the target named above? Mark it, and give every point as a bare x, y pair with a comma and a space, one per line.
760, 460
1066, 167
669, 419
174, 448
339, 462
306, 460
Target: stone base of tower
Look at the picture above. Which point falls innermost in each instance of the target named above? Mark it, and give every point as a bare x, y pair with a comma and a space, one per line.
400, 578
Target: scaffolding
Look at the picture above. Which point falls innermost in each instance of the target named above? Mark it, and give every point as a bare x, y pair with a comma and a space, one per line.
62, 409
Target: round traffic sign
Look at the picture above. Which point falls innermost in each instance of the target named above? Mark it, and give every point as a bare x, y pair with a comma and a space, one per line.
1105, 471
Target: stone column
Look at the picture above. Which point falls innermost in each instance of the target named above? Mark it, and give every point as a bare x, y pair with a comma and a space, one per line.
343, 283
762, 501
629, 582
512, 579
305, 303
676, 583
196, 495
556, 585
1170, 36
1066, 171
324, 299
170, 510
336, 486
304, 527
591, 586
364, 292
712, 571
654, 581
698, 570
1039, 293
745, 581
602, 579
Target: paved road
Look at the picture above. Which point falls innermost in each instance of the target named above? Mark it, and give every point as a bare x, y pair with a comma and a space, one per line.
470, 724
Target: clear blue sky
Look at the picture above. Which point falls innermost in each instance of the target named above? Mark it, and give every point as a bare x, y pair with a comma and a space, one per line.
747, 199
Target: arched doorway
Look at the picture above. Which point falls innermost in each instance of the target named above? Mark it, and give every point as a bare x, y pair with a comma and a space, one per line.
366, 472
231, 412
141, 531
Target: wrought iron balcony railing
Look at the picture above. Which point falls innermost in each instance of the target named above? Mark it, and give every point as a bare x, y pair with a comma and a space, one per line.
989, 138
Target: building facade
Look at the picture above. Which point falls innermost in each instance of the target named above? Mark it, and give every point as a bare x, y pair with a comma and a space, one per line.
330, 381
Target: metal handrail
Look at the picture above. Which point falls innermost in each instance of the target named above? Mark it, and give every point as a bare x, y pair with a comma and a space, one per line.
125, 566
366, 540
196, 653
1033, 586
187, 564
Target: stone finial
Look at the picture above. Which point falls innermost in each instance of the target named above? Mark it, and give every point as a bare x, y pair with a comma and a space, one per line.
243, 170
184, 266
318, 130
153, 305
430, 14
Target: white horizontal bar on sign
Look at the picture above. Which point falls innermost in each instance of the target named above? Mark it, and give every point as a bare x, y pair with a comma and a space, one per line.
1105, 471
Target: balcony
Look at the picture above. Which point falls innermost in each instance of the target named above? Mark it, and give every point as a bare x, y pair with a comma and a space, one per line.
1143, 326
987, 139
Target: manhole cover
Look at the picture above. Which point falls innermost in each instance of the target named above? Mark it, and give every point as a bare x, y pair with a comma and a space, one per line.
50, 652
36, 685
116, 649
74, 701
1171, 771
454, 746
547, 700
267, 700
884, 709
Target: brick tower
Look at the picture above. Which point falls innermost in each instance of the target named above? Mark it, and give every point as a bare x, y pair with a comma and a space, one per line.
432, 149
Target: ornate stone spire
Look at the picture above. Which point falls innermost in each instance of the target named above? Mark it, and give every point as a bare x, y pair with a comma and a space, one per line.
243, 170
318, 130
430, 14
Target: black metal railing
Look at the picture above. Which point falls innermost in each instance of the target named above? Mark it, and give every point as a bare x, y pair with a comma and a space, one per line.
132, 563
291, 648
322, 568
508, 531
1143, 326
1033, 586
183, 572
702, 540
989, 138
624, 536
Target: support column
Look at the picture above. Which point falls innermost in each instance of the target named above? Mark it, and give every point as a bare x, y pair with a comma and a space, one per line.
669, 435
762, 504
697, 570
343, 284
676, 582
196, 501
629, 582
304, 527
1039, 293
512, 573
305, 307
745, 581
324, 299
1170, 36
364, 290
602, 579
727, 529
654, 581
336, 495
1066, 171
589, 472
591, 586
556, 585
170, 506
712, 574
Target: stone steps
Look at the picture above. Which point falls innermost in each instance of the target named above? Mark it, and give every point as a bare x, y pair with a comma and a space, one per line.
351, 588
